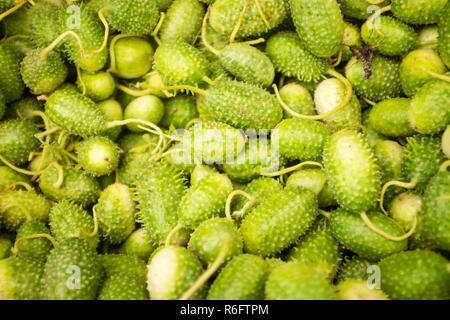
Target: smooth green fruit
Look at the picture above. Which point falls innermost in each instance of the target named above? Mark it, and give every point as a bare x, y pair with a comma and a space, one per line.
279, 221
416, 275
390, 158
123, 287
330, 94
182, 22
18, 206
292, 281
413, 69
179, 111
373, 137
243, 278
355, 289
418, 11
384, 83
429, 37
209, 237
390, 117
390, 36
132, 57
70, 220
21, 279
10, 81
354, 268
115, 213
360, 9
318, 250
444, 35
138, 244
352, 170
8, 177
112, 111
171, 272
148, 108
297, 98
290, 57
319, 24
77, 186
429, 112
155, 81
72, 272
98, 156
98, 86
352, 233
204, 200
37, 249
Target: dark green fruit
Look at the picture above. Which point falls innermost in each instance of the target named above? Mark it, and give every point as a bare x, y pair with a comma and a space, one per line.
353, 268
45, 23
8, 177
359, 9
10, 80
444, 35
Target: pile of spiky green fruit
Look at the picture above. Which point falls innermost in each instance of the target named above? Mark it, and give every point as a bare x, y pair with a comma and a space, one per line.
335, 112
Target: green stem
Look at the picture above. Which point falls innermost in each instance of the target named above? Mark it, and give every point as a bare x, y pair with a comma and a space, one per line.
387, 235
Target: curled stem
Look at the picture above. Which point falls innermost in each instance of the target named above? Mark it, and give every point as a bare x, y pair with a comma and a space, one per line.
23, 184
239, 22
353, 126
15, 249
26, 172
47, 50
16, 205
154, 34
83, 85
444, 166
293, 168
230, 198
326, 214
387, 235
58, 183
95, 231
105, 24
406, 185
171, 234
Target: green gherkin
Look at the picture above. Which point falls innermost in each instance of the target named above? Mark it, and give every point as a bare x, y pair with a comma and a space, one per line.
138, 17
120, 264
182, 22
158, 193
357, 289
19, 206
98, 156
373, 137
418, 11
416, 275
138, 244
429, 112
180, 64
318, 250
70, 220
290, 57
24, 107
292, 281
21, 279
204, 200
301, 139
384, 83
390, 117
45, 23
352, 233
390, 36
179, 111
435, 211
225, 15
297, 98
352, 37
242, 105
8, 177
354, 268
77, 186
352, 170
360, 9
37, 248
279, 221
209, 237
243, 278
72, 272
171, 272
319, 24
10, 81
444, 35
422, 159
123, 287
390, 158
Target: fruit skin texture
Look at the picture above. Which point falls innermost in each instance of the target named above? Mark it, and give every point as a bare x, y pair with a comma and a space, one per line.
352, 37
70, 220
242, 105
429, 112
138, 244
115, 213
17, 140
21, 279
182, 22
359, 9
412, 77
119, 264
356, 289
279, 221
209, 237
444, 35
8, 177
45, 23
243, 278
171, 272
179, 110
98, 156
353, 268
133, 57
418, 11
10, 80
99, 86
398, 38
204, 200
319, 24
353, 234
38, 248
43, 75
123, 287
301, 139
384, 82
290, 57
390, 117
62, 280
297, 98
415, 275
292, 281
352, 170
435, 211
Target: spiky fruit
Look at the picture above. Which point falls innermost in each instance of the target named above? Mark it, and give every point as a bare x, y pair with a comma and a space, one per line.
243, 278
415, 275
98, 156
25, 107
390, 117
45, 23
5, 247
352, 233
390, 158
123, 287
278, 222
352, 37
171, 272
355, 289
444, 35
38, 248
121, 264
290, 57
352, 170
418, 11
360, 9
10, 80
179, 111
72, 272
292, 281
354, 268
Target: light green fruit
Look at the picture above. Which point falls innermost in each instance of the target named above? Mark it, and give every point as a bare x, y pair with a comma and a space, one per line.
390, 117
360, 9
446, 142
390, 158
179, 111
373, 137
138, 244
98, 156
354, 268
8, 177
352, 37
123, 287
37, 248
112, 111
200, 172
97, 86
429, 37
358, 290
444, 35
297, 98
418, 11
133, 57
147, 108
